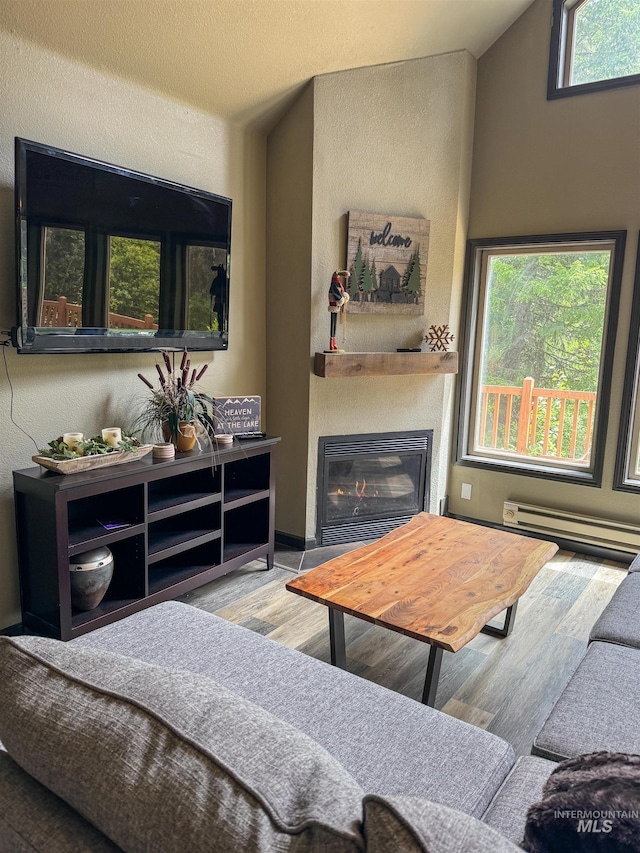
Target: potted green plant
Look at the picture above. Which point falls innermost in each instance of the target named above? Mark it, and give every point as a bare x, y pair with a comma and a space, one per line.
175, 407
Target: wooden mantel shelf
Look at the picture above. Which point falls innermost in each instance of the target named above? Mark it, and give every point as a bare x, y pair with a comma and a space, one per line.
331, 365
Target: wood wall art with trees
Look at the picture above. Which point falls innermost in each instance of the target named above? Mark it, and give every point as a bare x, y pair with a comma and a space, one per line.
387, 259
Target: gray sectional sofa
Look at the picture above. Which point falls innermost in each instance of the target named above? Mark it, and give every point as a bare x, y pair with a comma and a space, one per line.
175, 730
600, 706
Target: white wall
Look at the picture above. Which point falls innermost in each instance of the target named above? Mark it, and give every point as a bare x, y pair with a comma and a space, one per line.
544, 167
48, 99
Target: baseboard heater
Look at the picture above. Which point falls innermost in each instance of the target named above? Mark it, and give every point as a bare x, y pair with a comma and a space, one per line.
601, 532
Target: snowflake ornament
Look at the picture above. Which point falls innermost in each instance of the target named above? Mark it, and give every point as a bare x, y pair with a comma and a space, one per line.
439, 339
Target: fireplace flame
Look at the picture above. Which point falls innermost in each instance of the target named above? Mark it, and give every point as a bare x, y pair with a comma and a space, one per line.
360, 490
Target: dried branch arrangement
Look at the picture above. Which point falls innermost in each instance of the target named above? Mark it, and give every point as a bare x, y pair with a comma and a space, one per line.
176, 400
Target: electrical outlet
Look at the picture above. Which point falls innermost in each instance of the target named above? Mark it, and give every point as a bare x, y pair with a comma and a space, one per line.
465, 491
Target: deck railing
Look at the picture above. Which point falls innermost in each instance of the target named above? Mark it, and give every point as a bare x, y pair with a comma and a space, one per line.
62, 314
542, 422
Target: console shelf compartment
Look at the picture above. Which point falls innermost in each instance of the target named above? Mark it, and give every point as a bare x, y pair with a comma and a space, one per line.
247, 550
176, 541
245, 528
238, 498
91, 515
174, 492
187, 506
184, 566
245, 478
98, 536
109, 610
128, 585
187, 529
171, 526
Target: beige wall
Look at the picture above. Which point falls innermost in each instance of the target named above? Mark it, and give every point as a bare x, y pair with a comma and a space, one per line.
390, 139
51, 100
289, 250
542, 167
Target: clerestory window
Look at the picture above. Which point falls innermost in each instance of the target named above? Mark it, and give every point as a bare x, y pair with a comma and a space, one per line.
595, 44
539, 326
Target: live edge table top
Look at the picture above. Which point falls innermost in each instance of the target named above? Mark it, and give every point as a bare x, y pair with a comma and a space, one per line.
436, 579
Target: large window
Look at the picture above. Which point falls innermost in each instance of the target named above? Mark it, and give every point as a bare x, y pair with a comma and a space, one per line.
627, 474
540, 319
595, 44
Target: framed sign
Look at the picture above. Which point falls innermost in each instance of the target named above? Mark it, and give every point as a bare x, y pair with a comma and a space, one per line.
387, 259
237, 415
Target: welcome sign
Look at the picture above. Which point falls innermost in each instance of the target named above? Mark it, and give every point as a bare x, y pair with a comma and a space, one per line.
387, 259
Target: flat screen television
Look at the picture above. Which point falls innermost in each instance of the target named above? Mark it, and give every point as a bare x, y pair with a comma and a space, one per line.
113, 260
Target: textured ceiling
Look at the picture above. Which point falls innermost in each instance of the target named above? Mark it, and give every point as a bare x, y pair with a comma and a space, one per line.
244, 59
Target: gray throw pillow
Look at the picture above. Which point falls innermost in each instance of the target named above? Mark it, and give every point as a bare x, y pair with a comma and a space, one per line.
412, 825
160, 760
33, 820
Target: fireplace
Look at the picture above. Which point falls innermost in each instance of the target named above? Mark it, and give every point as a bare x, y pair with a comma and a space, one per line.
369, 484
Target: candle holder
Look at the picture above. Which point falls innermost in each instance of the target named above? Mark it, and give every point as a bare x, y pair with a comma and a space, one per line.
72, 440
112, 436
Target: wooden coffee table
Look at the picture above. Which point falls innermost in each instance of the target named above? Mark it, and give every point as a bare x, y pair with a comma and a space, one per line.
436, 579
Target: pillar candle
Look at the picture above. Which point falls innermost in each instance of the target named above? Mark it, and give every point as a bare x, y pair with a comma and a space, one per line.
112, 436
72, 439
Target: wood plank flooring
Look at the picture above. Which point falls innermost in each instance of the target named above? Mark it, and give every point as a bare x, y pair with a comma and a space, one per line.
506, 686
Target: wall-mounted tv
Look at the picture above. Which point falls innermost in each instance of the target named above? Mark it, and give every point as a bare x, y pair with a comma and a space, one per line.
112, 260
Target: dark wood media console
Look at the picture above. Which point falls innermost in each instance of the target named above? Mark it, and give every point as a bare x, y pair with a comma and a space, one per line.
188, 520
